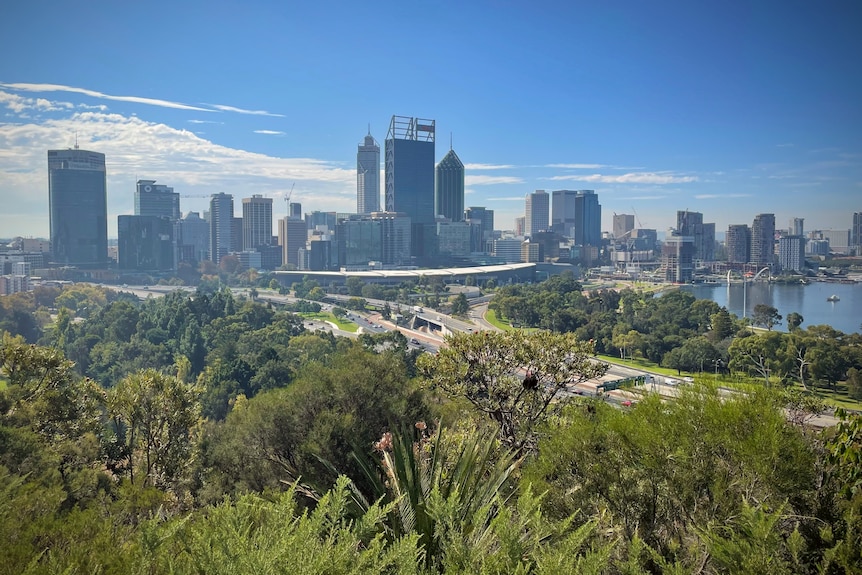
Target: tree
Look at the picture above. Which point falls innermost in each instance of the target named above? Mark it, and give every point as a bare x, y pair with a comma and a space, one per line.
794, 320
721, 325
157, 417
517, 379
766, 316
460, 306
663, 470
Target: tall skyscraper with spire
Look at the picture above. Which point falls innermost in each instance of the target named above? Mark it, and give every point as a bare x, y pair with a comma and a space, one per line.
449, 187
78, 207
368, 176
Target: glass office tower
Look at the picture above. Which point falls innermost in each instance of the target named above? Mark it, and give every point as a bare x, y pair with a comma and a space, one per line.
449, 187
368, 176
78, 206
409, 178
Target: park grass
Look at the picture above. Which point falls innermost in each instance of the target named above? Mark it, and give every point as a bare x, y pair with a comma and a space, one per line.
343, 325
498, 322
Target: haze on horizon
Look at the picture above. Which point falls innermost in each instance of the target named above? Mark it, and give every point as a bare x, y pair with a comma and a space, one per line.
726, 110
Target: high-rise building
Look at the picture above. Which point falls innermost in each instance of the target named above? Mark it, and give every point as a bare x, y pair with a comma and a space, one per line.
453, 238
791, 253
797, 227
691, 224
520, 227
153, 199
292, 236
145, 243
368, 176
537, 212
395, 241
295, 210
738, 242
449, 187
623, 224
839, 240
193, 238
563, 210
588, 219
78, 208
256, 222
221, 226
763, 240
857, 232
482, 220
677, 258
409, 175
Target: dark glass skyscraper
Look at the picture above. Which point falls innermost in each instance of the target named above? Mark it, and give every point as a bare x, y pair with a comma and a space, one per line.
368, 176
152, 199
588, 218
449, 187
410, 177
78, 206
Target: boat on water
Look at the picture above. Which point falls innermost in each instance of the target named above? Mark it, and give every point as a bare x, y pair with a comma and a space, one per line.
833, 297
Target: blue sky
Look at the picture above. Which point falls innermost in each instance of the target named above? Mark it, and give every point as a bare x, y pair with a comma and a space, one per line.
730, 109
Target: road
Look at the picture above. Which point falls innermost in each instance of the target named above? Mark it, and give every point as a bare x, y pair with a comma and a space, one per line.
372, 322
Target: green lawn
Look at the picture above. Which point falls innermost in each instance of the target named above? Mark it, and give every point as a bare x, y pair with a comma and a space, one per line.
491, 317
343, 325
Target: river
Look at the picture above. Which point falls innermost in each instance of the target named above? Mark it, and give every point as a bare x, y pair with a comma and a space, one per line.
810, 301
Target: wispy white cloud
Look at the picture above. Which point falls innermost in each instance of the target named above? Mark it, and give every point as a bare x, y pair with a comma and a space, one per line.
577, 166
720, 196
41, 88
137, 148
269, 132
21, 104
488, 166
203, 122
644, 198
224, 108
629, 178
786, 145
473, 180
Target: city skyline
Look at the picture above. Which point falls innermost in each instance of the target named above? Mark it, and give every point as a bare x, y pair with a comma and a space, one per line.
645, 104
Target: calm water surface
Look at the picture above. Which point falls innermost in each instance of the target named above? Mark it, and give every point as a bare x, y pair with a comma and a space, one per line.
807, 300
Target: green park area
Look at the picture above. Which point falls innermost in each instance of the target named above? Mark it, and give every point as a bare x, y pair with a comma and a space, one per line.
341, 323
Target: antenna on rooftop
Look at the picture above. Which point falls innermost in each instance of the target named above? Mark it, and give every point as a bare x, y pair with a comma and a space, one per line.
76, 139
450, 141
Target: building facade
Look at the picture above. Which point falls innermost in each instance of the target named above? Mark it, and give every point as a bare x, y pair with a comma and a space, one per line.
409, 178
221, 226
153, 199
623, 224
368, 176
78, 208
449, 187
145, 243
791, 253
192, 236
691, 224
857, 232
738, 243
256, 222
537, 214
588, 219
763, 240
678, 259
563, 209
292, 236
